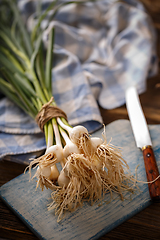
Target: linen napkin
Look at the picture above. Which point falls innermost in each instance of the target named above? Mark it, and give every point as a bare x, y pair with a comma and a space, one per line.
101, 48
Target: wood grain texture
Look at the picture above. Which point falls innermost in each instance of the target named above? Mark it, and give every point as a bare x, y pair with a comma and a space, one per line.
144, 225
152, 173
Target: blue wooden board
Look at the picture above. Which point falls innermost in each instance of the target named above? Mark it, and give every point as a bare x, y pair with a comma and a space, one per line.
88, 222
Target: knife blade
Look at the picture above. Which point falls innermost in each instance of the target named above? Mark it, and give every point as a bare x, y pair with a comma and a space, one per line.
143, 141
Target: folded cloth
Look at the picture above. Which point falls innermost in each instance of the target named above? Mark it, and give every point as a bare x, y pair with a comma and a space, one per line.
100, 49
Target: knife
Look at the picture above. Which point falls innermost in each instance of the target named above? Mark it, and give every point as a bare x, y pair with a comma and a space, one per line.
143, 141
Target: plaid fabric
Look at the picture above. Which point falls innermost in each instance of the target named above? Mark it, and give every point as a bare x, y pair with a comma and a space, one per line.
101, 48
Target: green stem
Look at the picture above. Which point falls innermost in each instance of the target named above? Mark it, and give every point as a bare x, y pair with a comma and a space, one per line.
46, 133
48, 73
12, 59
65, 125
65, 122
38, 88
34, 32
50, 135
22, 28
25, 100
56, 132
14, 48
8, 90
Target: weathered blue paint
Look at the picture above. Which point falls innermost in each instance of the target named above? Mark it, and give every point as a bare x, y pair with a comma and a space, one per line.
88, 222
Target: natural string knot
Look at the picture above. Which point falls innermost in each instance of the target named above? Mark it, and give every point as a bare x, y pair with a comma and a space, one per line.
48, 112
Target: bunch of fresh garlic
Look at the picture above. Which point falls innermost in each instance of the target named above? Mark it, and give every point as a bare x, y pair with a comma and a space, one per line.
89, 168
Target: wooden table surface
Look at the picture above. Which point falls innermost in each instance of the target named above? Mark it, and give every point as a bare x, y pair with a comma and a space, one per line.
144, 225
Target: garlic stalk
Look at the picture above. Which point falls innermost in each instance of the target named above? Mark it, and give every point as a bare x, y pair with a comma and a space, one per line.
89, 167
70, 147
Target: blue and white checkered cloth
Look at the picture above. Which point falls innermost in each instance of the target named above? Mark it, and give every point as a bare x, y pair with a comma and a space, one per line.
101, 48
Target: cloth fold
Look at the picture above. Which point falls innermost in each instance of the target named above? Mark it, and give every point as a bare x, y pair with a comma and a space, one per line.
101, 48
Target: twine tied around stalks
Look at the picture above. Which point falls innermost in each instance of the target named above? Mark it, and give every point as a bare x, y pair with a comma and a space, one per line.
48, 112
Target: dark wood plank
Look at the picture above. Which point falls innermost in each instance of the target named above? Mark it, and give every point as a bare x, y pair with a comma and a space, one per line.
10, 225
144, 225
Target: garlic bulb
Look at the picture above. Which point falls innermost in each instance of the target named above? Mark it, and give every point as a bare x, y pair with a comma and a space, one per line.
63, 179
